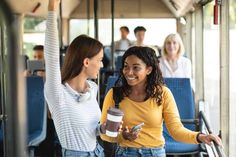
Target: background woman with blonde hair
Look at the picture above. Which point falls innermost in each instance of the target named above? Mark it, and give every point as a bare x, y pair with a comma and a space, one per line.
172, 62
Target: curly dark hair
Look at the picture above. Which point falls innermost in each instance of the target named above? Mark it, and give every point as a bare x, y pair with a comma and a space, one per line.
154, 79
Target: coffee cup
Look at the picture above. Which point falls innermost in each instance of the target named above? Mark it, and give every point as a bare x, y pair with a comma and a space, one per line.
114, 118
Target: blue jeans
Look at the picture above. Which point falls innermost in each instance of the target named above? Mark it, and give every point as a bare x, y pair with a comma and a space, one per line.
98, 152
140, 152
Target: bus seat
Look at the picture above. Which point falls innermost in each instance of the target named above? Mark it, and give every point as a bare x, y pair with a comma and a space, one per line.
1, 141
110, 82
182, 92
36, 112
118, 63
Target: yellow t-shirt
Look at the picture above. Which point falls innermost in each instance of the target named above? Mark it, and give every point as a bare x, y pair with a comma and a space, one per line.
152, 115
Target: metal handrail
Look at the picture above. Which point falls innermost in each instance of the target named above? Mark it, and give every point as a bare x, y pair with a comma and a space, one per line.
14, 126
219, 149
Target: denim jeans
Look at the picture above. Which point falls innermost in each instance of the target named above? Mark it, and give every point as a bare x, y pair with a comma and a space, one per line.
98, 152
140, 152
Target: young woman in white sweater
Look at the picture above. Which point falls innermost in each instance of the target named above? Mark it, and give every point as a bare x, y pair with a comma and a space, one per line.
71, 97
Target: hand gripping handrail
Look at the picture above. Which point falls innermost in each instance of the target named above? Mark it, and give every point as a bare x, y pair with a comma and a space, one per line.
219, 149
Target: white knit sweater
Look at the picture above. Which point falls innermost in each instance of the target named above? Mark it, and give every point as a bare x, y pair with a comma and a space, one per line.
76, 122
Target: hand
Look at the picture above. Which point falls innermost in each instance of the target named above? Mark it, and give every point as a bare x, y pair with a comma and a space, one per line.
120, 128
129, 135
103, 128
40, 73
209, 138
26, 73
53, 5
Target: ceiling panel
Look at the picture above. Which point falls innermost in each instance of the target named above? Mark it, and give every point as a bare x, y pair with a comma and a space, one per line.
27, 6
179, 7
125, 9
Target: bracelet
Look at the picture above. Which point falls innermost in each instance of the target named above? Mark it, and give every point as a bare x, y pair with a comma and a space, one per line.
198, 137
124, 136
102, 131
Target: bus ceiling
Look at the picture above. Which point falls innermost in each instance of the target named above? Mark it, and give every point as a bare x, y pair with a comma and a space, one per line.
38, 8
78, 9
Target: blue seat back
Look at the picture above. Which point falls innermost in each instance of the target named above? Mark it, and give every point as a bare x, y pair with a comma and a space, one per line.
35, 106
110, 82
118, 63
182, 92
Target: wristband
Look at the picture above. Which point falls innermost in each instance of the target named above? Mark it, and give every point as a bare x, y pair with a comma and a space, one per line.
198, 137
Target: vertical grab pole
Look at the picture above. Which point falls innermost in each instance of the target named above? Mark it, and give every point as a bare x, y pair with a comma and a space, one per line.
88, 16
14, 122
112, 34
60, 27
96, 36
96, 19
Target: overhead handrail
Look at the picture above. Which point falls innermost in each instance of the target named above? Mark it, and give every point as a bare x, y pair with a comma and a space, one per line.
60, 26
219, 149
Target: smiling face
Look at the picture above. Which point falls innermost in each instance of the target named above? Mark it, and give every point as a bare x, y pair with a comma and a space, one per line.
93, 65
172, 47
135, 71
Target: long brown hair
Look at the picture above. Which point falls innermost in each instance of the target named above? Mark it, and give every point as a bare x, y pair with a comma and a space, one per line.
81, 47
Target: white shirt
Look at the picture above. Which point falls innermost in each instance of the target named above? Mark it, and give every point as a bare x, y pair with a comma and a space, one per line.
121, 46
183, 68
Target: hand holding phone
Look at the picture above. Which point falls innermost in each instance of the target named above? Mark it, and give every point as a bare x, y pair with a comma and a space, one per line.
137, 127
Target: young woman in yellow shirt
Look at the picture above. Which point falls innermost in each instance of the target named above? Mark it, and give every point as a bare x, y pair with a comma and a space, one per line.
145, 99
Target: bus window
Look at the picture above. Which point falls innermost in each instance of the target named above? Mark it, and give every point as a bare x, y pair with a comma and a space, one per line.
232, 57
211, 71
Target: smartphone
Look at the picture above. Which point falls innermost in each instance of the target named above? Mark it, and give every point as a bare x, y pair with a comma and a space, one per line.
34, 65
137, 127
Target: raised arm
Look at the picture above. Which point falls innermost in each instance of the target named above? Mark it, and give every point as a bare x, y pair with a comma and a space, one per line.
53, 5
53, 74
